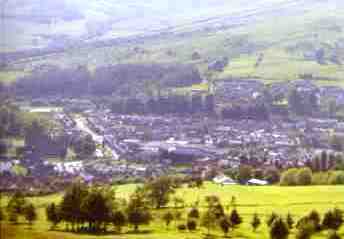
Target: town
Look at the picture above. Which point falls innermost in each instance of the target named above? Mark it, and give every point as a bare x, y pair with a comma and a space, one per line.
132, 147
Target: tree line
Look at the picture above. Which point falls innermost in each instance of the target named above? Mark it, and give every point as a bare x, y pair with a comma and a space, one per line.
93, 209
123, 80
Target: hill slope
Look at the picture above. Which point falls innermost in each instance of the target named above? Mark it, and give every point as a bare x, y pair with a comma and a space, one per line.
271, 39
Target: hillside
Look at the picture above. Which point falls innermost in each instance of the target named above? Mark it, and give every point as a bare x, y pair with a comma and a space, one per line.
269, 39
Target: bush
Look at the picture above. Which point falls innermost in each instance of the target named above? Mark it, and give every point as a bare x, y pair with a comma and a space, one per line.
336, 178
333, 219
191, 225
181, 227
305, 230
271, 219
279, 229
304, 176
289, 177
194, 213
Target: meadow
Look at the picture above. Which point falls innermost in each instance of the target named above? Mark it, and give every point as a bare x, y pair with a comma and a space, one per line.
249, 200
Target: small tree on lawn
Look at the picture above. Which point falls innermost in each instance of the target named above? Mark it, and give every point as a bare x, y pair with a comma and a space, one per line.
137, 210
119, 220
235, 218
290, 221
209, 220
255, 223
279, 229
194, 213
191, 224
333, 219
53, 215
168, 218
314, 217
30, 214
225, 225
273, 216
305, 230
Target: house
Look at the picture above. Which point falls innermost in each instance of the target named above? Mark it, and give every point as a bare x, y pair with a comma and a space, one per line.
223, 180
257, 182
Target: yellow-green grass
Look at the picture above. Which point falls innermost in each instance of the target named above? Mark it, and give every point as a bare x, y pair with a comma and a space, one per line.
249, 199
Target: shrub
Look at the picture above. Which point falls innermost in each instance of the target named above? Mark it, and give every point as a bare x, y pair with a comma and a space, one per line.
336, 178
255, 223
191, 225
304, 176
333, 219
289, 177
305, 230
271, 219
290, 221
181, 227
279, 229
194, 213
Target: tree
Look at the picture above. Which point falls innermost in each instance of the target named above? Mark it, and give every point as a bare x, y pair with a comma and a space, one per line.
191, 224
119, 220
279, 229
314, 217
305, 230
290, 221
2, 215
225, 225
235, 218
194, 213
30, 214
70, 206
137, 210
96, 209
160, 189
53, 215
85, 146
304, 176
168, 218
13, 216
255, 223
289, 177
272, 175
209, 220
273, 216
333, 219
17, 203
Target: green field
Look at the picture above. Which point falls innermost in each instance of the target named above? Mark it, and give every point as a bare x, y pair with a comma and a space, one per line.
262, 200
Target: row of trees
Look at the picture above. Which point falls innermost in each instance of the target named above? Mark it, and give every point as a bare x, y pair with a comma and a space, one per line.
126, 80
93, 209
305, 176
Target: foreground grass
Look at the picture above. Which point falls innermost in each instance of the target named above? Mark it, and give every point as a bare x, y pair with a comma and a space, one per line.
263, 200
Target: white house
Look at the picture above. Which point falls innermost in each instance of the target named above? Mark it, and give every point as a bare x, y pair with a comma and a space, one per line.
258, 182
223, 180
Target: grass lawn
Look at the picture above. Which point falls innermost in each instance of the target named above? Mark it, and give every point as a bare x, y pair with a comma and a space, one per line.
262, 200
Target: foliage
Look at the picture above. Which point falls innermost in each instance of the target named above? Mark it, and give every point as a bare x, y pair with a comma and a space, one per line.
272, 217
305, 230
235, 218
209, 220
225, 225
160, 189
333, 235
304, 176
53, 215
118, 220
137, 210
255, 223
30, 213
194, 213
279, 229
191, 224
333, 219
168, 218
290, 221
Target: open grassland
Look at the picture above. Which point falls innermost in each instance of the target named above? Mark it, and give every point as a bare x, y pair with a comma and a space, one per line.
262, 200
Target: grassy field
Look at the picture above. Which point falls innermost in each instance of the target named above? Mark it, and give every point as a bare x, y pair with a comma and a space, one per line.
262, 200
